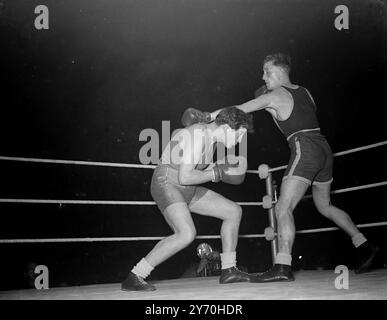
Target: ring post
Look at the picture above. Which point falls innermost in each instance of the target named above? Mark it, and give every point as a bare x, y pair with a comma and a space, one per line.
272, 221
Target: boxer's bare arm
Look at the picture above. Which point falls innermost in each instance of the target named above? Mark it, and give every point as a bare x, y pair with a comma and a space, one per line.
276, 101
192, 154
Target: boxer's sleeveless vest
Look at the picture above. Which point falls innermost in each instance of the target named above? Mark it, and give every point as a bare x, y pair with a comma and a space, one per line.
303, 117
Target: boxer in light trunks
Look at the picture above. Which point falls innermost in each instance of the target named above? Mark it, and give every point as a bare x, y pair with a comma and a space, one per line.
311, 161
175, 187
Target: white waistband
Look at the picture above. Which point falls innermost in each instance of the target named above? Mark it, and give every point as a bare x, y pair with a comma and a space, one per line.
304, 130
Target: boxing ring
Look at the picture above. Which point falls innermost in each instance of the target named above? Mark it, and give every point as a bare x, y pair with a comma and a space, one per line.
319, 284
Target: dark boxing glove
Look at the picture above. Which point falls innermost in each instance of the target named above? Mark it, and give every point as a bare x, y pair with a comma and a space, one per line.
260, 91
192, 116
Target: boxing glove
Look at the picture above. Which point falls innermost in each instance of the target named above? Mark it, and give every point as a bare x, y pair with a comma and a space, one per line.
192, 116
231, 173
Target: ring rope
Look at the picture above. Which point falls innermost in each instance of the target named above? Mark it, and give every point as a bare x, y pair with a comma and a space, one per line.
366, 186
84, 163
147, 203
127, 165
103, 202
56, 240
370, 146
107, 239
152, 202
365, 225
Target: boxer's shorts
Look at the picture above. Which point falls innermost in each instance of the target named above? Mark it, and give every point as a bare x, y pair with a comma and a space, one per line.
166, 190
311, 158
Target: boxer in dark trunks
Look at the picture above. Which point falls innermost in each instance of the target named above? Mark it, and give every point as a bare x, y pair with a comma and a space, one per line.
175, 187
294, 112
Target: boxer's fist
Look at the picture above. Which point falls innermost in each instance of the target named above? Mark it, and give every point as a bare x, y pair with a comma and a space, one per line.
260, 91
232, 172
192, 116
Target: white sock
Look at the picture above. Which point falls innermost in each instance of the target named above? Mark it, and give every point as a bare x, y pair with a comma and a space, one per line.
142, 269
283, 258
228, 259
358, 239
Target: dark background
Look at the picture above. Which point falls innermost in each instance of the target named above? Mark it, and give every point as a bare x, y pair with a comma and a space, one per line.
107, 69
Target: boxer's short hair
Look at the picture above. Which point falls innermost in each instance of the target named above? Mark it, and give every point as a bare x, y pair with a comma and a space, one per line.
235, 118
280, 60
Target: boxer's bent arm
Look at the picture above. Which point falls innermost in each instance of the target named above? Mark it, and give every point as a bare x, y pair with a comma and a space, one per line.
190, 176
192, 154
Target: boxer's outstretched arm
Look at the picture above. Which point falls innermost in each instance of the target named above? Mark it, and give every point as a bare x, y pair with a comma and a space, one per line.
272, 99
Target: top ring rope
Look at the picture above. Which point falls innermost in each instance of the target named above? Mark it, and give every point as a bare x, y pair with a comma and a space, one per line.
337, 154
83, 163
147, 166
88, 163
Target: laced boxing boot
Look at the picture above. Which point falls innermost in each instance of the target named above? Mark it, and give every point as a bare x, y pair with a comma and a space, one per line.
279, 272
233, 274
365, 255
136, 283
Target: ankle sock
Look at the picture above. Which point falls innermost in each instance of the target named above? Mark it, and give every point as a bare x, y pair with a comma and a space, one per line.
358, 239
228, 259
142, 269
283, 258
